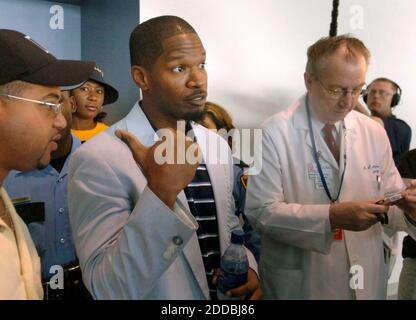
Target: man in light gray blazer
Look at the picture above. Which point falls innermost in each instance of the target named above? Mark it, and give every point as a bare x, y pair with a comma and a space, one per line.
143, 229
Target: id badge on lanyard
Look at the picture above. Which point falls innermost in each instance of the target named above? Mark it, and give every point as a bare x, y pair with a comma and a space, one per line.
338, 232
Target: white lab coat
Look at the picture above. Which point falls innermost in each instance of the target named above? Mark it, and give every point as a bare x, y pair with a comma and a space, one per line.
129, 243
19, 261
299, 258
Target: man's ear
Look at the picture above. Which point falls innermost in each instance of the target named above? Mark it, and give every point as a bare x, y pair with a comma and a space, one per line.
73, 104
141, 76
308, 80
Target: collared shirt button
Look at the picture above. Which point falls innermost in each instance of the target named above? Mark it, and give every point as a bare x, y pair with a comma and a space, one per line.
61, 210
59, 180
177, 240
62, 240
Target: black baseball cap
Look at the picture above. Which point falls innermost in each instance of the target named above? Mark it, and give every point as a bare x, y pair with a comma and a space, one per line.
110, 93
23, 59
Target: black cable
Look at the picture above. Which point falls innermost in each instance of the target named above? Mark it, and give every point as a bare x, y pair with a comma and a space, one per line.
334, 21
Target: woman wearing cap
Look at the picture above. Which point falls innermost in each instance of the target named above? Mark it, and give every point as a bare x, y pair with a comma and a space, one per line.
89, 99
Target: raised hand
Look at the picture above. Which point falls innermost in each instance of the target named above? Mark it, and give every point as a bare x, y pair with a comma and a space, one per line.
159, 162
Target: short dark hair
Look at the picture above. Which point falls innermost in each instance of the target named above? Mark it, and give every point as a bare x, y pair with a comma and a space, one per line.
14, 87
395, 86
146, 39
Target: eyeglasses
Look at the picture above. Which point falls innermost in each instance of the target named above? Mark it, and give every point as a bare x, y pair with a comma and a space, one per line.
381, 93
342, 92
57, 107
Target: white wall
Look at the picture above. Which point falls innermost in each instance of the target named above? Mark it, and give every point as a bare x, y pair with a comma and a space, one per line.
257, 50
389, 32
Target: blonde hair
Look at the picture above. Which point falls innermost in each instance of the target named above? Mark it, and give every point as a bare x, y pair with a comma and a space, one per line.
219, 115
327, 46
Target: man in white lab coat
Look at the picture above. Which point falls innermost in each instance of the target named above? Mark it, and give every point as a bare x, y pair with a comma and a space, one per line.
324, 167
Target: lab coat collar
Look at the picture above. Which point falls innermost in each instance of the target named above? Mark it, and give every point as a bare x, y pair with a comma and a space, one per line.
300, 119
300, 122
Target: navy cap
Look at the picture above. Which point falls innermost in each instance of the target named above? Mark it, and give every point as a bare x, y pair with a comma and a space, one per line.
110, 93
23, 59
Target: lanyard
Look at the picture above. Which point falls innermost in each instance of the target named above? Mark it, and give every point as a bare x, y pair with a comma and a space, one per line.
315, 156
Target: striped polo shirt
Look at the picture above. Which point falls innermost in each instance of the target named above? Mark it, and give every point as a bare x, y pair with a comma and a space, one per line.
201, 201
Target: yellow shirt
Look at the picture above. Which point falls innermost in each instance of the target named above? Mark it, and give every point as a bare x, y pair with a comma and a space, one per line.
85, 135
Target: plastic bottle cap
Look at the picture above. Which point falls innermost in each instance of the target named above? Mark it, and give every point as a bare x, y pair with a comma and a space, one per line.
237, 236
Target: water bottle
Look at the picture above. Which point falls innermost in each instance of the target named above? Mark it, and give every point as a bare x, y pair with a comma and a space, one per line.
234, 266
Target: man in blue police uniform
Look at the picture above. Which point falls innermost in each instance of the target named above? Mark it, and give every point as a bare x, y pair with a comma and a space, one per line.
252, 238
383, 96
40, 197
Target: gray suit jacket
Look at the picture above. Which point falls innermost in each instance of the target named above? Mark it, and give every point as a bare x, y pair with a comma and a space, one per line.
130, 244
